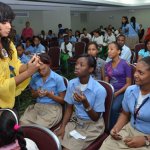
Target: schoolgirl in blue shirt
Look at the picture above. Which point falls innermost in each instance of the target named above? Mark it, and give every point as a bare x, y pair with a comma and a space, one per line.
49, 90
132, 130
87, 97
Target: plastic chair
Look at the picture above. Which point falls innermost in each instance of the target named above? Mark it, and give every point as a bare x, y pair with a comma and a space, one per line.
54, 53
43, 137
137, 48
106, 115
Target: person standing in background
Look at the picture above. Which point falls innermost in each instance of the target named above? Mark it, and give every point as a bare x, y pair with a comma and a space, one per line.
27, 32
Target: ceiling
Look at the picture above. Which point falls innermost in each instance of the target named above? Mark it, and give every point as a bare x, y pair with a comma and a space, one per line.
78, 5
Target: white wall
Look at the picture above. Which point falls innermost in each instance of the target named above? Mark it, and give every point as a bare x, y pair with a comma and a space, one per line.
35, 18
95, 19
77, 20
51, 19
46, 20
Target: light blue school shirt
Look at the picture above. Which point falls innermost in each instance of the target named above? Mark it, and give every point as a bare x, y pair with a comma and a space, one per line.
24, 59
94, 92
132, 32
129, 102
124, 28
54, 83
137, 27
30, 48
143, 54
72, 39
39, 49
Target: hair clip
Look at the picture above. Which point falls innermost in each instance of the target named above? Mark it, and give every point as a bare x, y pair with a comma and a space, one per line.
16, 127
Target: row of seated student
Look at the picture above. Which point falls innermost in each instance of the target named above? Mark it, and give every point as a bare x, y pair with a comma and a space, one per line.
132, 30
87, 97
99, 39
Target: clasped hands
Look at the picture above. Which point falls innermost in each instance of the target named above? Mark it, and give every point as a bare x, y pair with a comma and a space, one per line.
132, 142
79, 97
43, 93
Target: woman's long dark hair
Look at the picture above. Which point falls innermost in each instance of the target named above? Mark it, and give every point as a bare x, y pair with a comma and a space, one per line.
124, 24
145, 43
6, 14
133, 20
8, 134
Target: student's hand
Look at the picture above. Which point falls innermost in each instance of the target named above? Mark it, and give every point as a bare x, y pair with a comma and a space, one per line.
60, 132
116, 94
114, 134
41, 93
50, 94
33, 65
135, 142
80, 97
66, 51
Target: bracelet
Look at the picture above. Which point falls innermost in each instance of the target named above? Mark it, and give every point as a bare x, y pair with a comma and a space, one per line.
147, 142
88, 109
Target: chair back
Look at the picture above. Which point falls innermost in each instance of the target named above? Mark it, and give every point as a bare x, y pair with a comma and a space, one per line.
133, 69
54, 53
79, 48
108, 103
43, 137
132, 60
65, 81
86, 41
137, 48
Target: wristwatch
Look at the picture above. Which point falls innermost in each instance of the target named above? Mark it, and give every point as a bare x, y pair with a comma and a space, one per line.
147, 142
88, 109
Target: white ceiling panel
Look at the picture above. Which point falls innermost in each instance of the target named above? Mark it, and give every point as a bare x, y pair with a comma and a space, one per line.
78, 5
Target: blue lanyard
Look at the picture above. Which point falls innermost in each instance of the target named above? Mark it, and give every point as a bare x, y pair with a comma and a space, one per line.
137, 110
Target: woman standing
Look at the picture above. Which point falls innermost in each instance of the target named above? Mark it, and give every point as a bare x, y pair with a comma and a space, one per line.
130, 30
12, 72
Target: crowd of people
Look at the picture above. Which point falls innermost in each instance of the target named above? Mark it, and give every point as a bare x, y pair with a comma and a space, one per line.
25, 62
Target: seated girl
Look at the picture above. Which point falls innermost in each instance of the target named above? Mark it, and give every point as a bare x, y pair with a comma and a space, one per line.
100, 63
49, 89
21, 55
87, 97
11, 136
117, 73
132, 128
144, 52
66, 52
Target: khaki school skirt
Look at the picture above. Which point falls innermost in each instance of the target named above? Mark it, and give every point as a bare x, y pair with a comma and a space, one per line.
90, 129
132, 41
47, 115
127, 131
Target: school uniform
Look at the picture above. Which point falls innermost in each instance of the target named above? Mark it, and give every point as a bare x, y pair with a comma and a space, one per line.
65, 56
39, 49
24, 59
138, 127
80, 121
144, 53
132, 35
28, 49
46, 111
